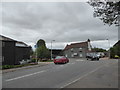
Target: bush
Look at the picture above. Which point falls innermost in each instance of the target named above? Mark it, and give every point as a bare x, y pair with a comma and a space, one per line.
7, 66
33, 60
15, 66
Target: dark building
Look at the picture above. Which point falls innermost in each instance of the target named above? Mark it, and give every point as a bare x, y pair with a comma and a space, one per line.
115, 50
13, 51
118, 43
56, 52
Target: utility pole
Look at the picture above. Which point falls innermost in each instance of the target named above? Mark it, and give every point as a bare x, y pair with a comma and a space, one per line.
109, 48
51, 48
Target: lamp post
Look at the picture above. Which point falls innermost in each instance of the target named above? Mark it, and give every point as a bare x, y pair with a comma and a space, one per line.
36, 48
51, 48
109, 48
36, 52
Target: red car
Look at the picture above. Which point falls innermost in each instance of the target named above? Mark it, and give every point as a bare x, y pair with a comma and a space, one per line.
61, 59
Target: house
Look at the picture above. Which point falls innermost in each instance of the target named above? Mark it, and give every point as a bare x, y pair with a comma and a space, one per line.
13, 51
77, 50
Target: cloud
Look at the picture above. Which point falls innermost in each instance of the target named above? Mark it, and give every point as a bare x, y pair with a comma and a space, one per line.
64, 22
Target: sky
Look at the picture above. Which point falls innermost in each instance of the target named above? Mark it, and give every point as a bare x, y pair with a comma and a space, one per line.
64, 22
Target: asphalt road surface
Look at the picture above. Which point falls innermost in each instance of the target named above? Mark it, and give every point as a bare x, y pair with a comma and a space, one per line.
78, 73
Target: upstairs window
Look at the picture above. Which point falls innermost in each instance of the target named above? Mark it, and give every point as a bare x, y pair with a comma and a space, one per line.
71, 49
80, 48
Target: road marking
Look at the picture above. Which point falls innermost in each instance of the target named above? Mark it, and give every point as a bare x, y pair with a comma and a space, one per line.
73, 63
80, 60
61, 65
80, 77
68, 63
24, 76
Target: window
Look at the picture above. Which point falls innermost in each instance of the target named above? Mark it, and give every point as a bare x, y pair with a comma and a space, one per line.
72, 55
71, 49
75, 54
58, 57
80, 48
81, 55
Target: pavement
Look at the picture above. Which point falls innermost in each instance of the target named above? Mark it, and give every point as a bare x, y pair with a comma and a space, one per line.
78, 73
25, 67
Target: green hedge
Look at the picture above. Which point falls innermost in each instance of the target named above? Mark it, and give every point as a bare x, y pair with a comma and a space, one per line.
7, 66
16, 66
33, 60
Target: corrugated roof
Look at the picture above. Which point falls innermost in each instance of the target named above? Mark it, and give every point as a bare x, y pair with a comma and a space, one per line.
118, 43
19, 42
5, 38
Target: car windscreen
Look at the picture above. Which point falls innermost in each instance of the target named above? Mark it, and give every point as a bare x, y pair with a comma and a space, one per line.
58, 57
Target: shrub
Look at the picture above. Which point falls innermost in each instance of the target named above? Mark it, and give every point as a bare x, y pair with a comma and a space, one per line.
7, 66
33, 60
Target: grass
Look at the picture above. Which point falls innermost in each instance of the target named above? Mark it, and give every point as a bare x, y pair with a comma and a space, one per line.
15, 66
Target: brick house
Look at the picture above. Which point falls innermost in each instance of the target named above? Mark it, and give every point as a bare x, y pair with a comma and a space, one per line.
77, 50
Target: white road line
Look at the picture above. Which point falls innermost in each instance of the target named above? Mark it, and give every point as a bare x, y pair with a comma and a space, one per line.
80, 77
72, 63
68, 63
24, 76
61, 65
80, 60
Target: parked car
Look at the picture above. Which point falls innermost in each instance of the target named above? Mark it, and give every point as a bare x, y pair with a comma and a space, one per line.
92, 56
23, 62
61, 59
101, 54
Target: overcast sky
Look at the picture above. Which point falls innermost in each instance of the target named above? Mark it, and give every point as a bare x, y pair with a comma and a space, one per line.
62, 22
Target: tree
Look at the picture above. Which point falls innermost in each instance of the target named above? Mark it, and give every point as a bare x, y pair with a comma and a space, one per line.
115, 50
41, 42
41, 50
98, 50
108, 12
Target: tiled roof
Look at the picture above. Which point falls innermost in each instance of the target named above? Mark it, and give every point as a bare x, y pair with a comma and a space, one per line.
76, 45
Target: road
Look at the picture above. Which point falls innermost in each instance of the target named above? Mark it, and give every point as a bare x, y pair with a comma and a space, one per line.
78, 73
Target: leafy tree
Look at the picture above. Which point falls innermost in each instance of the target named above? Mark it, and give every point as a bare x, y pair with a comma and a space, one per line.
98, 50
108, 12
115, 50
41, 50
41, 42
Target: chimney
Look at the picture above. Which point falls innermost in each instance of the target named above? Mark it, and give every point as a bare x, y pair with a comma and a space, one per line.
89, 46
